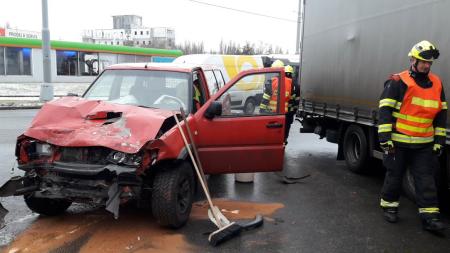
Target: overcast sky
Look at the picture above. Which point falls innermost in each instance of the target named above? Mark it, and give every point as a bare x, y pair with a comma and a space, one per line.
191, 20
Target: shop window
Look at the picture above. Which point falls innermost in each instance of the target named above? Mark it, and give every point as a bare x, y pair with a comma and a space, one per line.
18, 61
2, 60
126, 58
66, 63
106, 60
140, 58
88, 64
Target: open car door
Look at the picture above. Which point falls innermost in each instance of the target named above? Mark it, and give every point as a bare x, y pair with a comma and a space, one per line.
243, 140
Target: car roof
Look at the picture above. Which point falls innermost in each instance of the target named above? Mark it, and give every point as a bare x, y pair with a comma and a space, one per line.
180, 67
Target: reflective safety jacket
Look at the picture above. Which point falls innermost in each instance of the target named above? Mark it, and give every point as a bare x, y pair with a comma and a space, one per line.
294, 101
413, 110
270, 96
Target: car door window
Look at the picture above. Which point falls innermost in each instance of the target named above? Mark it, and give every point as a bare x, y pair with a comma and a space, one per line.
252, 95
211, 81
219, 78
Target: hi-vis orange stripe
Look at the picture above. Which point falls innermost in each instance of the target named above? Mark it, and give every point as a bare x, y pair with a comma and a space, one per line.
419, 107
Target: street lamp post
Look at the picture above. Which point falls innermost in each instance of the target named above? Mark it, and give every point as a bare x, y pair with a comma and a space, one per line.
46, 93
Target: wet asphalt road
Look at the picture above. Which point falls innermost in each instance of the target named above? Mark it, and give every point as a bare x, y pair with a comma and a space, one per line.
333, 210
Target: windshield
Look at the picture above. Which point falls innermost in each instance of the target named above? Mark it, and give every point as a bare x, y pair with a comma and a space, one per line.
147, 88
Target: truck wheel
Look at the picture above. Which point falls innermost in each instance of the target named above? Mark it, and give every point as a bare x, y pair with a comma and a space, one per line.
249, 106
408, 186
46, 206
355, 149
172, 195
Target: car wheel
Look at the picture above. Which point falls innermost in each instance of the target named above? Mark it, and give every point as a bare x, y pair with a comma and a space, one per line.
46, 206
172, 195
355, 149
249, 106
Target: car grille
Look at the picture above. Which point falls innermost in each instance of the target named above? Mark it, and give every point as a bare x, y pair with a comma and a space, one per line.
87, 155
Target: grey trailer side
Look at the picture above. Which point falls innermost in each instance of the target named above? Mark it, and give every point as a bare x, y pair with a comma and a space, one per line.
350, 49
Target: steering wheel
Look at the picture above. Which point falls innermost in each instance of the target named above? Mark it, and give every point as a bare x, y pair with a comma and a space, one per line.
169, 98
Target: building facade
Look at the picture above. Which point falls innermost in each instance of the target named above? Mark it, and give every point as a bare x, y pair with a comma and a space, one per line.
21, 59
128, 31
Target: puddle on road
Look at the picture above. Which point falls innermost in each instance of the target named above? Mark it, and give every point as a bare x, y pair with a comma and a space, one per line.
235, 209
134, 231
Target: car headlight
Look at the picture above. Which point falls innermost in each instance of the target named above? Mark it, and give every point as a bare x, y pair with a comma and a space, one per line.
44, 149
118, 157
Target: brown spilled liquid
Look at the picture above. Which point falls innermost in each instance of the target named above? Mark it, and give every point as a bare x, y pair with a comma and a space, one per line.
97, 231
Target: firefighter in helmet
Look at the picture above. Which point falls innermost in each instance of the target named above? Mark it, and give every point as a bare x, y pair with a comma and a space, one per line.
293, 99
270, 96
411, 131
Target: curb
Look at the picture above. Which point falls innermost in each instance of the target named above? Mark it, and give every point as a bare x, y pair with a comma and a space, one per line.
19, 107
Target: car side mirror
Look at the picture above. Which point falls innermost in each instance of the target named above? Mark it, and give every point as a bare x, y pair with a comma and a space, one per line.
214, 109
70, 94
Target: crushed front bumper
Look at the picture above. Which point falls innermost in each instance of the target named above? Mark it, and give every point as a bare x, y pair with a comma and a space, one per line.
100, 184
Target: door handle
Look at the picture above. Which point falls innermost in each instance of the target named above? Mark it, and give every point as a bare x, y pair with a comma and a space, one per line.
274, 125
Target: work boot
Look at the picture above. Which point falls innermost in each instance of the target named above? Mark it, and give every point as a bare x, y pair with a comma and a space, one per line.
432, 222
390, 214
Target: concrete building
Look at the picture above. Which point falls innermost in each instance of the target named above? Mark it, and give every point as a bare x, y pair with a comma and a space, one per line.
129, 31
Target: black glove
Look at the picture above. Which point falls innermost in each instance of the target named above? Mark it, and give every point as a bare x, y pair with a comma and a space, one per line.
437, 149
387, 147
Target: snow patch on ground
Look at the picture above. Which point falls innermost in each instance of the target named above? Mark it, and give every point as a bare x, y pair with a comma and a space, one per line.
11, 94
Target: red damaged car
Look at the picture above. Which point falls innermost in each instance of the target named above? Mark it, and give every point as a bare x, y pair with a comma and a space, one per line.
119, 141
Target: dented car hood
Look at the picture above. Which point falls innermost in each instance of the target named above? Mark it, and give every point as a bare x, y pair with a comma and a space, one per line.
77, 122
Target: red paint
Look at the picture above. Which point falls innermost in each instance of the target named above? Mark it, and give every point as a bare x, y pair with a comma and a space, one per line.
225, 144
65, 122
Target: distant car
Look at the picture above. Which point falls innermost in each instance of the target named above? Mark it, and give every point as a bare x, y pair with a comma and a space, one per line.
119, 141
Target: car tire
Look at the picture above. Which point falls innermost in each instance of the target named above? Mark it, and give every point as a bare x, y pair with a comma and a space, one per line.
356, 149
250, 106
46, 206
173, 194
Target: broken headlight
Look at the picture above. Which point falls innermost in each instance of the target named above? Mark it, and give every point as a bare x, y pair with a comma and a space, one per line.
118, 157
43, 149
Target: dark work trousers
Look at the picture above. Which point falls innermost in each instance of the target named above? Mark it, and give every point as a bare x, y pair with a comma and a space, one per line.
289, 121
422, 164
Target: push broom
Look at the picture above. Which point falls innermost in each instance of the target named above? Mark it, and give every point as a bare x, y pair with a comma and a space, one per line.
226, 229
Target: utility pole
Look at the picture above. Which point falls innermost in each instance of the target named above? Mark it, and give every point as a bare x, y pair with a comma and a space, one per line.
300, 36
46, 93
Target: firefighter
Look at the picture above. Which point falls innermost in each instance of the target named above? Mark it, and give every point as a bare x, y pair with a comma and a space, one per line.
270, 96
293, 102
411, 130
197, 95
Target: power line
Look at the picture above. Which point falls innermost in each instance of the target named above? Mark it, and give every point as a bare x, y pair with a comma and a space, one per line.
243, 11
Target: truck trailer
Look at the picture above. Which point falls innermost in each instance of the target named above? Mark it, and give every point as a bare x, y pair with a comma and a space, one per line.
350, 48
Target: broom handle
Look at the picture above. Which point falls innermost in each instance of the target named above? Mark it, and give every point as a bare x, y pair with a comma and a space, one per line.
205, 189
194, 147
